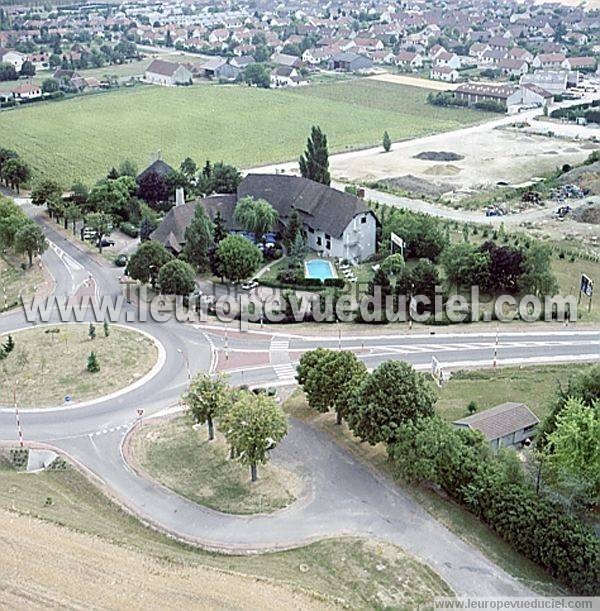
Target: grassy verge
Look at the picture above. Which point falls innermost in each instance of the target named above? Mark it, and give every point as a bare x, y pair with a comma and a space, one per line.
181, 458
15, 281
534, 386
457, 519
49, 362
356, 572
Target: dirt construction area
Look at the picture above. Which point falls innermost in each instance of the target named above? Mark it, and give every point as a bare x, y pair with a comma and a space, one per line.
490, 156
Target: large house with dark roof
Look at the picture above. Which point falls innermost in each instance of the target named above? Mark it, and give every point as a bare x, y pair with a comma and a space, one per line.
336, 223
161, 72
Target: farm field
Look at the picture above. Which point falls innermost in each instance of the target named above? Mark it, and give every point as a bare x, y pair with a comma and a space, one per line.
83, 137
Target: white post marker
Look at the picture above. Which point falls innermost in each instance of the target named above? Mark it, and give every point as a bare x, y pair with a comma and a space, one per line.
495, 362
140, 413
19, 429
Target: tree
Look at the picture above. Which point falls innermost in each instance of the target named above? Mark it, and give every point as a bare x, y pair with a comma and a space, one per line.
112, 196
146, 262
329, 379
208, 398
153, 188
573, 448
506, 267
391, 395
257, 74
423, 234
106, 328
177, 277
466, 265
73, 213
255, 215
314, 163
128, 168
8, 72
537, 277
15, 172
292, 228
298, 249
101, 223
44, 190
198, 240
188, 168
381, 281
30, 239
387, 142
224, 178
237, 258
27, 69
92, 331
424, 278
50, 85
5, 155
93, 366
219, 230
254, 425
393, 264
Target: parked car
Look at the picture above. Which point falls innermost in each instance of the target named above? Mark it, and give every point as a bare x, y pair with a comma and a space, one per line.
248, 286
121, 261
104, 242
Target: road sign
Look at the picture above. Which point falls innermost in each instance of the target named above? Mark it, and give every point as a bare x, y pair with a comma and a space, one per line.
587, 285
140, 412
398, 241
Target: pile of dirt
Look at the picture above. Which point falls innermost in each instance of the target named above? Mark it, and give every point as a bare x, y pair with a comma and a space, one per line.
587, 177
590, 215
442, 169
418, 186
439, 156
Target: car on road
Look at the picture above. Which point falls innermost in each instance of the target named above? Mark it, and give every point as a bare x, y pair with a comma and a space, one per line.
121, 260
249, 286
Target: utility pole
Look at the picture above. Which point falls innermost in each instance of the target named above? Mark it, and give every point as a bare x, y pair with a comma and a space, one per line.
496, 346
19, 429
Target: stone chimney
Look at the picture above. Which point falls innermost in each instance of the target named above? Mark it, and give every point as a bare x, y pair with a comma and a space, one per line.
179, 196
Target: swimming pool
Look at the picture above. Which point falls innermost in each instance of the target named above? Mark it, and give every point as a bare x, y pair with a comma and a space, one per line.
318, 268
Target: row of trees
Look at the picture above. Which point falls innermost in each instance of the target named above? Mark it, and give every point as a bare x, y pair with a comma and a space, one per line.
395, 405
253, 424
14, 171
18, 232
9, 73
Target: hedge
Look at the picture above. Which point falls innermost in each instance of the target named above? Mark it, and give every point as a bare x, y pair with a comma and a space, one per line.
460, 462
130, 229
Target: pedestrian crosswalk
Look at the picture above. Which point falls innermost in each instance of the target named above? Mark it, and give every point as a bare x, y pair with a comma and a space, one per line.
280, 345
285, 371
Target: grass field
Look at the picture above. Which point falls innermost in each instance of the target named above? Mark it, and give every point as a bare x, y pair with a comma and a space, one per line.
183, 459
82, 138
43, 380
87, 542
15, 281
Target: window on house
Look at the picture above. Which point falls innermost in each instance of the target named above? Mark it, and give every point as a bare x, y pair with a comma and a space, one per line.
363, 220
327, 236
328, 245
319, 241
311, 230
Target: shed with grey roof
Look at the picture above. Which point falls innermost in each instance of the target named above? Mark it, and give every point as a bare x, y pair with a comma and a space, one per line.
507, 424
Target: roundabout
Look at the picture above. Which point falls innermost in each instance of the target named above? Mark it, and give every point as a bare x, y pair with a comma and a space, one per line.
346, 497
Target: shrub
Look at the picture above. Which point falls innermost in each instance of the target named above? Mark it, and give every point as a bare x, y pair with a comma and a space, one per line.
130, 229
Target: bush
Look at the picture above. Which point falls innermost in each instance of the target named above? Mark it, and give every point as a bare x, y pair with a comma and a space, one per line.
490, 106
130, 229
337, 282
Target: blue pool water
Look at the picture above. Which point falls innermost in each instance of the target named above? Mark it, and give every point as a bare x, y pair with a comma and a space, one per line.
317, 268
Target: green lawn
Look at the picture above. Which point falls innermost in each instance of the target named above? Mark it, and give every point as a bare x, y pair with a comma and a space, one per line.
15, 281
534, 386
361, 574
82, 138
182, 459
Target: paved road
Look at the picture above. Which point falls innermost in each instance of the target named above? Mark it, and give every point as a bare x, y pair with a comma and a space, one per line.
343, 496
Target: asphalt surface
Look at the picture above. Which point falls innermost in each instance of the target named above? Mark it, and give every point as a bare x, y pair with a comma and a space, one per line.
342, 495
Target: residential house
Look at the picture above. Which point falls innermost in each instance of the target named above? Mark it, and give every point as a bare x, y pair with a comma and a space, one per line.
337, 224
491, 58
212, 67
548, 60
443, 73
505, 425
350, 62
382, 57
445, 58
286, 76
513, 67
161, 72
534, 94
408, 60
580, 63
26, 91
283, 59
242, 62
477, 49
14, 58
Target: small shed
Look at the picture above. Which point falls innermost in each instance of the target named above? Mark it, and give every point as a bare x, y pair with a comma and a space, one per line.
507, 424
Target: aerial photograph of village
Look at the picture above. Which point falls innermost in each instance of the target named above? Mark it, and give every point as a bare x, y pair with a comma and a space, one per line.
297, 304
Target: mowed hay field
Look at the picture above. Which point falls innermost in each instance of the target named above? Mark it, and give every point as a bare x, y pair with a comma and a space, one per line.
83, 137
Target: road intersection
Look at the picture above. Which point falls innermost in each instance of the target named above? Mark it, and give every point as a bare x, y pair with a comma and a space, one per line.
342, 496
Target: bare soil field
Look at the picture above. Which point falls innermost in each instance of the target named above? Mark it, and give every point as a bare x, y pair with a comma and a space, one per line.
48, 566
489, 156
414, 81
